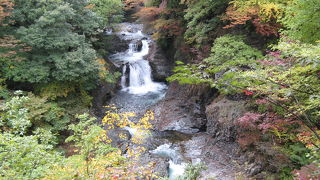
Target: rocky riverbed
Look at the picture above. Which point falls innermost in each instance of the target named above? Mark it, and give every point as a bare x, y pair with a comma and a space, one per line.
193, 123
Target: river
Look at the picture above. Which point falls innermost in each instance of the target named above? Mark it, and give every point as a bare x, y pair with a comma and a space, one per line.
139, 92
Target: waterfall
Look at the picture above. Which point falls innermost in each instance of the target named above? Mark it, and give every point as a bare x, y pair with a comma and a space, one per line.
139, 91
176, 167
136, 71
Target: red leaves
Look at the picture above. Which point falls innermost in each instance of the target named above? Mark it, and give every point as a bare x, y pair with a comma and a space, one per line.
12, 46
249, 120
308, 172
254, 124
237, 17
266, 28
248, 93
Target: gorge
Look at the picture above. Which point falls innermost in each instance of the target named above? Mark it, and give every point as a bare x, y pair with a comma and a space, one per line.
160, 89
190, 120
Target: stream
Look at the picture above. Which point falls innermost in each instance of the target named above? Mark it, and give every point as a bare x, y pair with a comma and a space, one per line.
139, 92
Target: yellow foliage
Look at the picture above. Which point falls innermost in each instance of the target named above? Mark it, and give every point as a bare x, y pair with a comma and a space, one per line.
103, 71
267, 9
112, 165
56, 89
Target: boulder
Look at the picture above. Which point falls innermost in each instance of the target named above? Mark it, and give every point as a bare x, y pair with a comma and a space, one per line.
183, 108
160, 64
222, 114
118, 44
139, 45
121, 143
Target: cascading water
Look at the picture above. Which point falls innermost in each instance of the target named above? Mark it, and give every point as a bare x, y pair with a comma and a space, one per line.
139, 91
176, 165
136, 71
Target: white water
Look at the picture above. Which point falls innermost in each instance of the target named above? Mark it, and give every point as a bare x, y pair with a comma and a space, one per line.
139, 90
176, 168
136, 71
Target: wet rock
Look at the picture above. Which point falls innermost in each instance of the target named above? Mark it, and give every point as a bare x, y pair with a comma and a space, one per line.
183, 108
160, 64
121, 143
161, 165
139, 45
254, 169
118, 44
218, 161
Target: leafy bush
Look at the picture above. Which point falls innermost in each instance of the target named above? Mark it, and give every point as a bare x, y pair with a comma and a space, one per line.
302, 21
22, 115
229, 51
24, 158
95, 158
192, 172
230, 56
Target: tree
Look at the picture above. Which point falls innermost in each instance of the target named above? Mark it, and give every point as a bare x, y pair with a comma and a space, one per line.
202, 18
263, 14
230, 56
109, 10
6, 6
95, 158
302, 21
60, 34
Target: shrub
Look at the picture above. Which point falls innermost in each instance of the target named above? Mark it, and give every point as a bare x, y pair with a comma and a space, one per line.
22, 115
24, 158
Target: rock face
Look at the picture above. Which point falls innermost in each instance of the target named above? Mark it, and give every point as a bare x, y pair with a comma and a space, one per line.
139, 45
183, 108
218, 160
194, 108
118, 44
222, 115
103, 93
160, 64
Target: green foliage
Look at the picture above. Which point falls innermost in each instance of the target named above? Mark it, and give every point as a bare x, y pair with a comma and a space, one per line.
172, 4
203, 18
23, 115
298, 154
151, 3
286, 173
189, 74
192, 172
59, 34
4, 92
24, 158
291, 77
15, 116
109, 10
230, 51
302, 20
230, 56
95, 158
89, 138
55, 89
33, 156
86, 135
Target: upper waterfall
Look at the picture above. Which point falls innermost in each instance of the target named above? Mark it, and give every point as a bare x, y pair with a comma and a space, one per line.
136, 71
